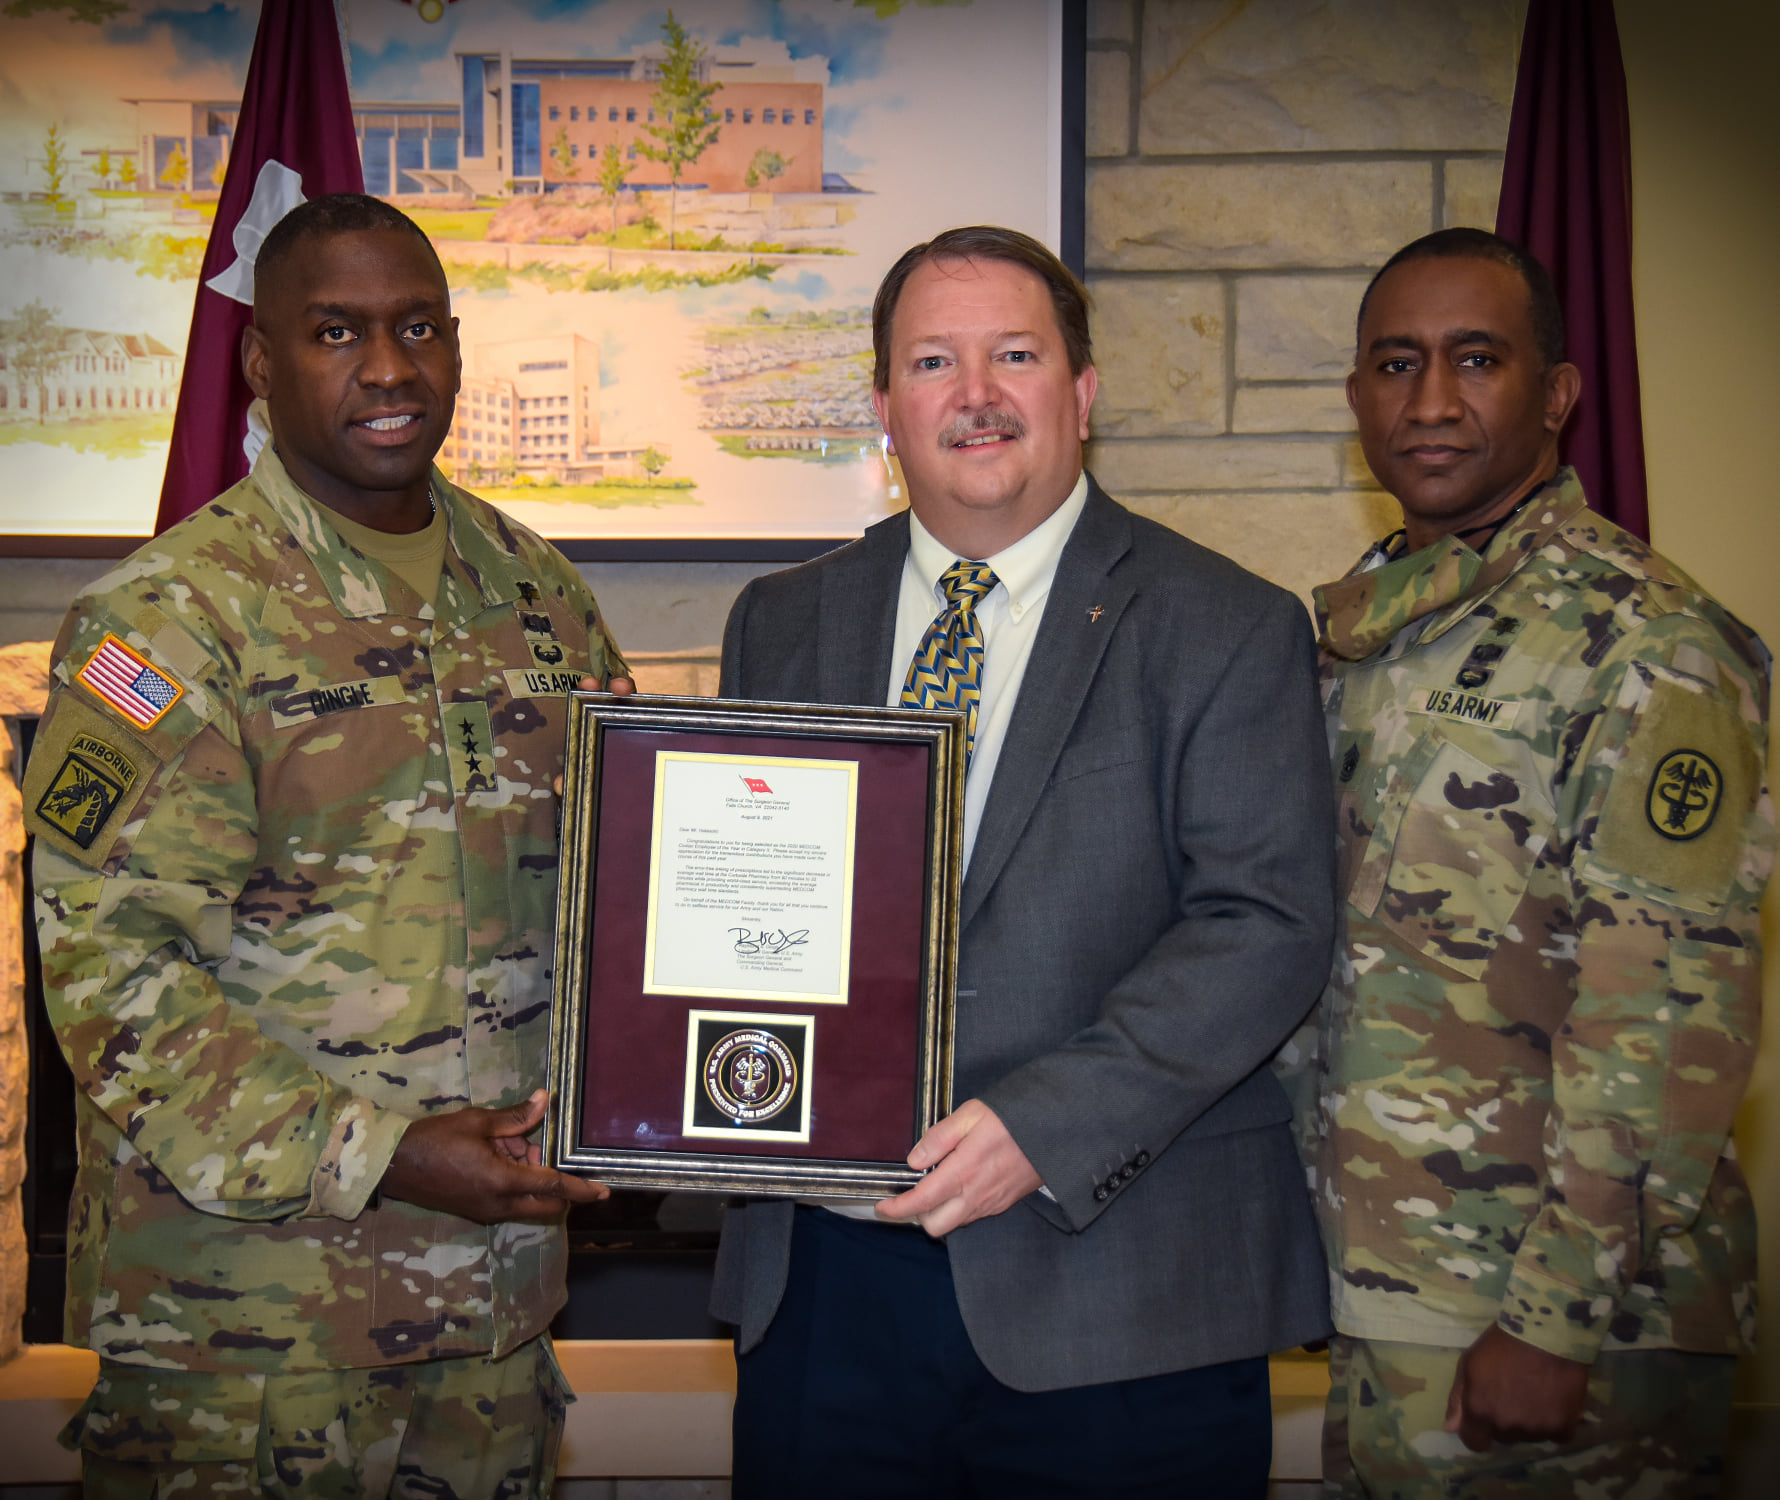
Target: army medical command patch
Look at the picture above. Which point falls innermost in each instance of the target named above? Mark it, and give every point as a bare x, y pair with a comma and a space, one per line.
93, 779
1685, 790
138, 690
1686, 776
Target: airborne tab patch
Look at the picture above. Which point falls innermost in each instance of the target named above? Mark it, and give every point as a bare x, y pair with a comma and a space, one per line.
85, 791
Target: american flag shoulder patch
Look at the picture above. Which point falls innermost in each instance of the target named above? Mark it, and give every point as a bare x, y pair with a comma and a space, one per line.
129, 683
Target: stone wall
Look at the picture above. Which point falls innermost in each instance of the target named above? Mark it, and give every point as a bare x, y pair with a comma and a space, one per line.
1251, 162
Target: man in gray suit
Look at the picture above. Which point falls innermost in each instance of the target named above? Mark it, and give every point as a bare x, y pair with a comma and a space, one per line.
1116, 1226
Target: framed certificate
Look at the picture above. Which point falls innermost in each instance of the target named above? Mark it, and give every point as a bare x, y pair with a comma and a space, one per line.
756, 943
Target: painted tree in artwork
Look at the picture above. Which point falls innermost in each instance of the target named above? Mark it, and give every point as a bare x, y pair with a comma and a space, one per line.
104, 168
688, 124
562, 154
765, 166
55, 163
613, 170
178, 164
127, 173
653, 460
36, 349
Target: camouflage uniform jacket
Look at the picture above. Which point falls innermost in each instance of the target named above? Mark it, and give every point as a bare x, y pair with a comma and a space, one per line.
296, 879
1554, 835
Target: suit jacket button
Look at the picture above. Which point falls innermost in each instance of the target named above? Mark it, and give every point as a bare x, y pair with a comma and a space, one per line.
1100, 1193
1127, 1172
1142, 1158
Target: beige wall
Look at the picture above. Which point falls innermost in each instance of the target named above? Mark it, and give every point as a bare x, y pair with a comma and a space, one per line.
1706, 206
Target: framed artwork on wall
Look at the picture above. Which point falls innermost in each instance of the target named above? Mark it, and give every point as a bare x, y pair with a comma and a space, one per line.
652, 369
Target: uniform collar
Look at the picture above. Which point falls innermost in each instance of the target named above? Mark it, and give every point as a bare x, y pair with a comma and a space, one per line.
1024, 570
479, 567
1366, 610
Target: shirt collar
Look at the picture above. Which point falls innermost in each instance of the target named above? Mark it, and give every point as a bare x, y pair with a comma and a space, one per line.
480, 568
1024, 569
1363, 612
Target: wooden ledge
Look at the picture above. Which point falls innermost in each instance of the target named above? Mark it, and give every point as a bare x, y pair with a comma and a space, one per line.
49, 1372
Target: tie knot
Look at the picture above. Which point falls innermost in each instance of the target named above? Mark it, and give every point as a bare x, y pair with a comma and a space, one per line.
967, 584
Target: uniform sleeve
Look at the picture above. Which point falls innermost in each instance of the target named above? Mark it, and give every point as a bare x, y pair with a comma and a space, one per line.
1674, 838
146, 844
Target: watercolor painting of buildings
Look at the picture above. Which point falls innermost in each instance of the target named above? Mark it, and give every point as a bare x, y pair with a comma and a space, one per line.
657, 343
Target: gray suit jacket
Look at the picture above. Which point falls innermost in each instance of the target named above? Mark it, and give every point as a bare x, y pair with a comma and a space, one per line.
1148, 913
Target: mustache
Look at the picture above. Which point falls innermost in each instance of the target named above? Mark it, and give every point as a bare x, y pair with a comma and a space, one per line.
1004, 422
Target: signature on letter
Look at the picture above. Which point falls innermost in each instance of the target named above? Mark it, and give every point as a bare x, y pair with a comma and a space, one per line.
749, 941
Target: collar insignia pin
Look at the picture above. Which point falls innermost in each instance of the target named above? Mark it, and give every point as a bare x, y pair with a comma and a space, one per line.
1094, 614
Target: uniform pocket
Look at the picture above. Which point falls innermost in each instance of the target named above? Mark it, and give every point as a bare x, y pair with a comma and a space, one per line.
1450, 858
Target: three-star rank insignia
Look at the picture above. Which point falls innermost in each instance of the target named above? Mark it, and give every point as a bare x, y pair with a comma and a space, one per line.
1685, 790
85, 790
469, 745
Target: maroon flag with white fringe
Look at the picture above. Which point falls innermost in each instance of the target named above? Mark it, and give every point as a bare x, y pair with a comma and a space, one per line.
293, 141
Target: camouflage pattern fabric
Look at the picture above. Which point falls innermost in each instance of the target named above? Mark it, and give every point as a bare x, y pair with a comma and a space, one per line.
1554, 835
295, 873
1653, 1428
445, 1429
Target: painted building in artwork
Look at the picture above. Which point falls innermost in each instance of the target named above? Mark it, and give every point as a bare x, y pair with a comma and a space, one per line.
528, 125
520, 114
482, 430
182, 145
529, 409
86, 373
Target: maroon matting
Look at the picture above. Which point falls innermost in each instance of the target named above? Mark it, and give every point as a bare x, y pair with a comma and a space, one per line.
862, 1077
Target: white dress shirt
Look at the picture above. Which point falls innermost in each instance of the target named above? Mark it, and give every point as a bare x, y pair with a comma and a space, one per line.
1008, 618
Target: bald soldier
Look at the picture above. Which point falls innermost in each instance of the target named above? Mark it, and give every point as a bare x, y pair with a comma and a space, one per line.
296, 882
1548, 753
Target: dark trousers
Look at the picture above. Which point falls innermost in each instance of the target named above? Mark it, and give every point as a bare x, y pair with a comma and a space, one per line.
866, 1385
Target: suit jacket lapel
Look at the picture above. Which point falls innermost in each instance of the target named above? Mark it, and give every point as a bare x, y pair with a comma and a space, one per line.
1064, 659
856, 629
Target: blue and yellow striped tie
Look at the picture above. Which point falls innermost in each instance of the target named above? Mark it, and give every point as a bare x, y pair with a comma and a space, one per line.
947, 671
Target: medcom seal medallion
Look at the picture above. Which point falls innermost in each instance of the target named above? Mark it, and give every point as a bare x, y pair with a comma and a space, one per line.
750, 1075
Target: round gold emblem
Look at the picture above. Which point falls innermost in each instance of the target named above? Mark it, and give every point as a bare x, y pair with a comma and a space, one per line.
1685, 790
750, 1075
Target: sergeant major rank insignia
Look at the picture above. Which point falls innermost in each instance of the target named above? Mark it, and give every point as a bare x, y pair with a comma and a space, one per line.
92, 779
1685, 790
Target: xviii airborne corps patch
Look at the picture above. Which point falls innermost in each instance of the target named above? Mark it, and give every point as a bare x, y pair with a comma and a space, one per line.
92, 779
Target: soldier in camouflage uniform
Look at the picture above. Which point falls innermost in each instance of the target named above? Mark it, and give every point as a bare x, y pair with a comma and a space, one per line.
1554, 833
296, 877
